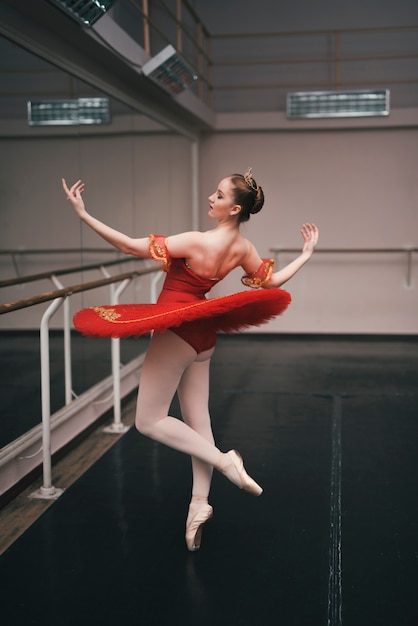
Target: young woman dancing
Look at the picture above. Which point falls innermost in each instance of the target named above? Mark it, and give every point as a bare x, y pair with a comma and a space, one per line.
185, 325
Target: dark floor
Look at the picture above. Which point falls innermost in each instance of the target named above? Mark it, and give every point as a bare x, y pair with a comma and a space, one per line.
328, 426
20, 381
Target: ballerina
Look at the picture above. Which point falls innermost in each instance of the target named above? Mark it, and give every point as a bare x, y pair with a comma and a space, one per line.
185, 324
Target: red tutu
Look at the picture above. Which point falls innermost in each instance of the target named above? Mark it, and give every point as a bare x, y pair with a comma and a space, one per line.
229, 313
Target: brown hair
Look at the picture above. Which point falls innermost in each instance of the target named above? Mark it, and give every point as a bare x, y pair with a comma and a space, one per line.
247, 194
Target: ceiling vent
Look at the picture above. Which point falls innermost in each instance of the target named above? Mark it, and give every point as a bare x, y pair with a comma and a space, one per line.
169, 71
319, 104
68, 112
85, 11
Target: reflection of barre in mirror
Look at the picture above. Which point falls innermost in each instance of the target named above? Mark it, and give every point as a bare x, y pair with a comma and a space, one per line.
185, 324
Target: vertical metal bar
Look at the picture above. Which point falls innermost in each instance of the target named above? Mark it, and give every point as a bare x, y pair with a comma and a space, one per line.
46, 398
408, 266
115, 351
145, 23
179, 26
47, 491
277, 258
117, 425
15, 265
337, 52
117, 421
67, 345
67, 353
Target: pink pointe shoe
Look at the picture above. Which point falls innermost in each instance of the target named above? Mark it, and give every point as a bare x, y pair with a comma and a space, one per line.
200, 512
232, 466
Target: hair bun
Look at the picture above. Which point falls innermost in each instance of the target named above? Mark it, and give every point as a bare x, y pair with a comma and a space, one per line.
247, 194
258, 202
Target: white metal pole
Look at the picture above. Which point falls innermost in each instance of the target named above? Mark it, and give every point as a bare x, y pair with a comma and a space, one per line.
117, 425
47, 491
67, 353
67, 345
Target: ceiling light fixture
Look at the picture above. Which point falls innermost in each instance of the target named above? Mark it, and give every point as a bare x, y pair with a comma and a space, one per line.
169, 71
319, 104
85, 11
68, 112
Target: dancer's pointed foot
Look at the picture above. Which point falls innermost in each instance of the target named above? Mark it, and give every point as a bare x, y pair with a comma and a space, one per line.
231, 465
199, 513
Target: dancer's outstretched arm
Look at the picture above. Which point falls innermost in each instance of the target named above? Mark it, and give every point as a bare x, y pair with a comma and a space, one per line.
181, 245
310, 235
124, 243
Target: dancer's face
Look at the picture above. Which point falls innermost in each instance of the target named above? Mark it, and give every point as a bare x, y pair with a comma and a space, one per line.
222, 204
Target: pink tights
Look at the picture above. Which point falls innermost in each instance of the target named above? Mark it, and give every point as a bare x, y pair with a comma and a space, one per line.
172, 364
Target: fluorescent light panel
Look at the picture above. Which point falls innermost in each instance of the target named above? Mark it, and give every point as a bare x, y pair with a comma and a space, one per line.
169, 71
316, 104
85, 11
68, 112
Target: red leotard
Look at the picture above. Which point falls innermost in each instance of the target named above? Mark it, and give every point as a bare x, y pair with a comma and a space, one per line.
183, 307
183, 285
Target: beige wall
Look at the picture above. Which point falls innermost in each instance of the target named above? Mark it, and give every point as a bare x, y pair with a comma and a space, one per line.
359, 186
361, 189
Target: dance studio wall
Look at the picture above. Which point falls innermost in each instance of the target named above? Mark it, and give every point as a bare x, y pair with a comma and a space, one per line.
360, 187
136, 183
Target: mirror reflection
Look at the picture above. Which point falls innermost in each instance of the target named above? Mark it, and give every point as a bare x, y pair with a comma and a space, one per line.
137, 176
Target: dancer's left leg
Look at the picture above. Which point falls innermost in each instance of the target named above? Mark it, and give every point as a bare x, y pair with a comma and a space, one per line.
193, 392
167, 358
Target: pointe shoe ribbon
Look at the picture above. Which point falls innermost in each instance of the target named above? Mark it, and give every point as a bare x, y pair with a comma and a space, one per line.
195, 526
232, 466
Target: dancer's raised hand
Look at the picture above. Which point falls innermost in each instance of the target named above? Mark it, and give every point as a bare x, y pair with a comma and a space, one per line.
310, 234
74, 196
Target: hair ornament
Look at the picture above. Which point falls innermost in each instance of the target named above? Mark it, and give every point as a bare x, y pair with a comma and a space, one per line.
249, 180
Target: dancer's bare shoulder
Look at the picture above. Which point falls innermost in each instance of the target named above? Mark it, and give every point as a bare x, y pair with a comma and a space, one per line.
185, 244
251, 259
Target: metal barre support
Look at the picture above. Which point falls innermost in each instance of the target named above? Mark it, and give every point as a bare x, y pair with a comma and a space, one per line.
117, 426
408, 250
47, 491
67, 345
55, 299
